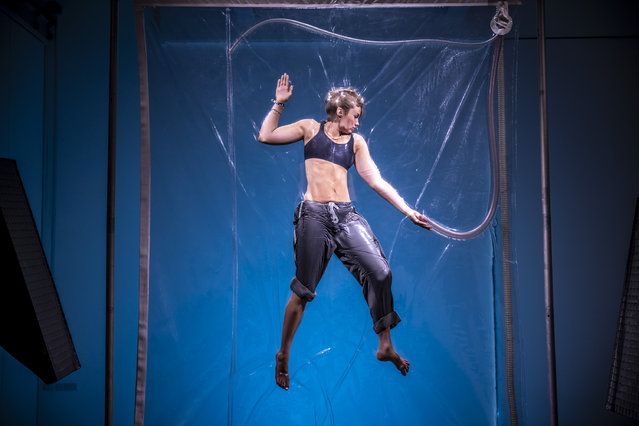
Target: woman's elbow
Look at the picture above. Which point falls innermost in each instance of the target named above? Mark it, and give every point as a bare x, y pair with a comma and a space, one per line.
261, 137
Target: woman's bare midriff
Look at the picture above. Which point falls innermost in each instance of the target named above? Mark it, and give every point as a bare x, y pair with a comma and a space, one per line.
326, 182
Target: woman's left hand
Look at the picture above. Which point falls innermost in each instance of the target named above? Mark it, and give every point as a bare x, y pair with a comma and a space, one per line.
419, 219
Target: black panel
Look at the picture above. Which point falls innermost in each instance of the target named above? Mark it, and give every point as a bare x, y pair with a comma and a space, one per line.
623, 391
32, 325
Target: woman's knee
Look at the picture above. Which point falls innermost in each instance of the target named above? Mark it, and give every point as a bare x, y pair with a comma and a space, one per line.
381, 277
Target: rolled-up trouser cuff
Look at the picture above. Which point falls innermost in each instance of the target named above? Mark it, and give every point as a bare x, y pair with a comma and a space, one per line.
303, 292
387, 321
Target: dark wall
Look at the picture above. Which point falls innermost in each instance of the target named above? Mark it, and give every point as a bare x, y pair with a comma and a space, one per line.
594, 153
63, 164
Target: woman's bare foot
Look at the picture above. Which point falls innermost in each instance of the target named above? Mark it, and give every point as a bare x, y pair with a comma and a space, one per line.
281, 370
387, 353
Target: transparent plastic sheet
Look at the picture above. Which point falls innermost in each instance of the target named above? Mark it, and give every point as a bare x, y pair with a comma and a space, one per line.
222, 207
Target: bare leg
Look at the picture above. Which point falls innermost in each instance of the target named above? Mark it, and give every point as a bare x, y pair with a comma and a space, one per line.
292, 318
386, 352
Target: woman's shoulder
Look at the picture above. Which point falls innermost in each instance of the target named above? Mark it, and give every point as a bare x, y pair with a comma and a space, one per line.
358, 140
309, 122
310, 127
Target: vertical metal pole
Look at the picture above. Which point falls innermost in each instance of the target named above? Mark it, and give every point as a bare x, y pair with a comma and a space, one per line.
113, 92
545, 201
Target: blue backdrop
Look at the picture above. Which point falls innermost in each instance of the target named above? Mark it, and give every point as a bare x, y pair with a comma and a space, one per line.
222, 207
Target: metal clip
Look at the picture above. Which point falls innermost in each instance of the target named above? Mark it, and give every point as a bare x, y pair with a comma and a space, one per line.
501, 22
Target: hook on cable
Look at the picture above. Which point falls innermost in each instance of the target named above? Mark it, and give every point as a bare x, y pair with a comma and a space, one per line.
501, 22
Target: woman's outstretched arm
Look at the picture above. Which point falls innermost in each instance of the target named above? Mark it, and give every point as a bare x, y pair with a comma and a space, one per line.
370, 173
270, 132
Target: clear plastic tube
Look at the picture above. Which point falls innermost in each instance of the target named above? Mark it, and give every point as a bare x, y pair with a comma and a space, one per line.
492, 139
322, 31
494, 161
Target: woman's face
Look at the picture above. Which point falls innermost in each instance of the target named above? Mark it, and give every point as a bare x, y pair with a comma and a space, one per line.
348, 120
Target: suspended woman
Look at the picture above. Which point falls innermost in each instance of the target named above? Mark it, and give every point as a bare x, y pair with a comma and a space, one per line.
326, 222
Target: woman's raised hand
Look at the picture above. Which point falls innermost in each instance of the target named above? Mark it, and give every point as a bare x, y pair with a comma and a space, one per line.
284, 90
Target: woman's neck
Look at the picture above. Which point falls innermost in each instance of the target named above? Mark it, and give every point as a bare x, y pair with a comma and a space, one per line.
331, 128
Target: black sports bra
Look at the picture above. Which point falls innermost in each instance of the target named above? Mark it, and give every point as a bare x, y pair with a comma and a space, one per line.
322, 147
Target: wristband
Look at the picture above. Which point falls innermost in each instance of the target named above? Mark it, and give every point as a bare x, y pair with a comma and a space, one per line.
277, 103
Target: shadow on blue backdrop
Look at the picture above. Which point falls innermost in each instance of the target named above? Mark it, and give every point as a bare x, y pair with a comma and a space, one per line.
222, 208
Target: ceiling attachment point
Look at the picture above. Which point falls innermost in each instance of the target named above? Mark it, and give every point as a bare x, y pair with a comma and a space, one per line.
501, 22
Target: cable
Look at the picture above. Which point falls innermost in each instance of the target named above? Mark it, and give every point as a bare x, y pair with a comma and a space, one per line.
353, 39
494, 162
494, 188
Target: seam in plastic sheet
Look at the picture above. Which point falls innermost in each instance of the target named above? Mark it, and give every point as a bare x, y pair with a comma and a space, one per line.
229, 97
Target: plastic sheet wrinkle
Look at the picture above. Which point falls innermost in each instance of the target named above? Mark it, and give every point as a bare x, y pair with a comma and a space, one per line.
390, 253
319, 375
381, 72
205, 391
231, 163
264, 396
448, 133
395, 104
323, 68
351, 363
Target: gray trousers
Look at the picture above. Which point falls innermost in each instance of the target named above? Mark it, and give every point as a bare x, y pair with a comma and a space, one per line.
322, 229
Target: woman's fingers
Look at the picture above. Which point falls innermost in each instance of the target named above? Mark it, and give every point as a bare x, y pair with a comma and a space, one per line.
420, 220
283, 81
284, 89
424, 221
